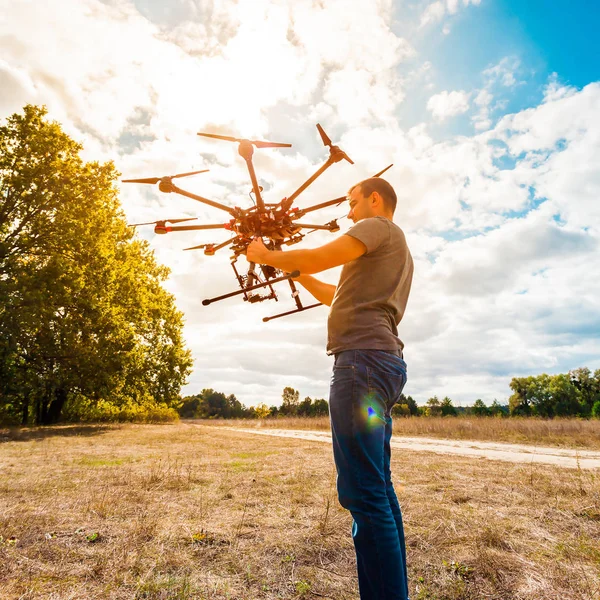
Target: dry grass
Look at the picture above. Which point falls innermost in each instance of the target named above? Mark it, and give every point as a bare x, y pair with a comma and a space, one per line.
568, 433
193, 511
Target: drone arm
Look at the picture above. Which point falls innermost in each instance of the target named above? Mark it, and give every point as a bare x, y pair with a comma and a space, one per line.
322, 291
336, 253
326, 227
197, 227
178, 190
312, 178
302, 211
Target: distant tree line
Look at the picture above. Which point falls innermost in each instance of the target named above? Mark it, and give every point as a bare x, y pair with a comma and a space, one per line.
87, 331
575, 394
209, 404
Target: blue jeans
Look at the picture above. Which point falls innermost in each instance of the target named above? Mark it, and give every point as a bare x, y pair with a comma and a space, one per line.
365, 385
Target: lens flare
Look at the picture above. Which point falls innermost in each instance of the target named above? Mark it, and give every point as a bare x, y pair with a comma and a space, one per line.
372, 411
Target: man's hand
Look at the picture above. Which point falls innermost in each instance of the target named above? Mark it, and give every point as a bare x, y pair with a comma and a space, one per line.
257, 252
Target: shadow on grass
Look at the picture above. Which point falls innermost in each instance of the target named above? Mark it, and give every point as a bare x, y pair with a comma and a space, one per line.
26, 434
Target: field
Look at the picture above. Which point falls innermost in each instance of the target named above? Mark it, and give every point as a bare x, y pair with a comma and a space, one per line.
194, 510
568, 433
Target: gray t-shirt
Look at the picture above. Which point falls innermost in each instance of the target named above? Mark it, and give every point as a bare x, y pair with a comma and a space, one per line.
372, 293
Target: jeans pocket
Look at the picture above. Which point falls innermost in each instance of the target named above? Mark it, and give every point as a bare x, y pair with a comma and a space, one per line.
387, 385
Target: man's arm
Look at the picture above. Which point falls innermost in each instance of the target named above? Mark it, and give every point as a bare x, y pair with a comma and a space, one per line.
322, 291
342, 250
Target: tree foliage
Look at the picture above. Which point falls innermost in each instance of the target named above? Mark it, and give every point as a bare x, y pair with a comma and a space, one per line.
290, 402
572, 394
480, 408
210, 404
84, 318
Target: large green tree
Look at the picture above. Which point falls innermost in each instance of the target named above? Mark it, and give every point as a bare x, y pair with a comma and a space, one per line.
83, 314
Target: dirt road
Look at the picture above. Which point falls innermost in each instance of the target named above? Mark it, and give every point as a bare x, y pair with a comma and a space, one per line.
518, 453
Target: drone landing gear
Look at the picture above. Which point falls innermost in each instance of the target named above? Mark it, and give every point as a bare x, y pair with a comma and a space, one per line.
251, 277
244, 290
296, 297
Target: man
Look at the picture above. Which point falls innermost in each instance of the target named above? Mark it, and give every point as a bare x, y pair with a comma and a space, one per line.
368, 375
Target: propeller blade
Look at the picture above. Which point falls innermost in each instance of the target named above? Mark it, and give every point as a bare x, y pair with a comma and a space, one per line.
227, 138
346, 157
147, 180
384, 170
257, 143
324, 136
190, 173
181, 220
260, 144
163, 221
140, 224
197, 247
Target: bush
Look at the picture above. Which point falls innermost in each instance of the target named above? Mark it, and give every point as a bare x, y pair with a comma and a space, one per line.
128, 412
596, 410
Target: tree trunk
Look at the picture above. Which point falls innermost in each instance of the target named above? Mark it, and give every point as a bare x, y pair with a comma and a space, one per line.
56, 406
25, 410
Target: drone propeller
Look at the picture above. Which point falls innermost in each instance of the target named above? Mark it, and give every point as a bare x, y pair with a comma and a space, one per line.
333, 149
300, 212
157, 179
163, 222
383, 171
257, 143
324, 136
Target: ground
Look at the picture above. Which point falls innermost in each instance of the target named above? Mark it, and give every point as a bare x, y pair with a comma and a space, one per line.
192, 510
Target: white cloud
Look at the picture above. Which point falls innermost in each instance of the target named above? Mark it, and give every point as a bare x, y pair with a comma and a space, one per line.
503, 72
482, 119
434, 12
503, 225
448, 104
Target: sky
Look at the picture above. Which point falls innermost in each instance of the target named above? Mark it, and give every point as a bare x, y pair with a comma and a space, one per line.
488, 109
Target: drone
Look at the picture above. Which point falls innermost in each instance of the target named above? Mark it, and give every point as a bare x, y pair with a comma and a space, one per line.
279, 222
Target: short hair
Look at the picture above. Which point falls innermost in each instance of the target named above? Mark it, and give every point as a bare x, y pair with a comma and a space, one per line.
382, 187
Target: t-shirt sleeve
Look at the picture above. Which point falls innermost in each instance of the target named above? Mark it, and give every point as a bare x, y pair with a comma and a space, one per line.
372, 232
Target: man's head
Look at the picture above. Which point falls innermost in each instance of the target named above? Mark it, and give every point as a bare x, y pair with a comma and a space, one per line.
373, 197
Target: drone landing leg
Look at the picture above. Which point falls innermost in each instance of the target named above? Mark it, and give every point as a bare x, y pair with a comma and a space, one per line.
291, 312
249, 289
295, 294
296, 297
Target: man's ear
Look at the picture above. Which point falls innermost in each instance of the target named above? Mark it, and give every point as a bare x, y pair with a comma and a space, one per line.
376, 199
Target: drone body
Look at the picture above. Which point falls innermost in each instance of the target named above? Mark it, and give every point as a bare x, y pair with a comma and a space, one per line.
276, 222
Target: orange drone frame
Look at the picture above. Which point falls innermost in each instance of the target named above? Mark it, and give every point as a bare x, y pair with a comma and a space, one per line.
277, 222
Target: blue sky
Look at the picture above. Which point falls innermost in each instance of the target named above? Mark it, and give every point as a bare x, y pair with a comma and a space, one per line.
489, 110
545, 37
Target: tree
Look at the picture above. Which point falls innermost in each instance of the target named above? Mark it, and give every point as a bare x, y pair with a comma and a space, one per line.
480, 408
433, 407
400, 409
84, 317
447, 408
565, 396
262, 411
305, 407
412, 405
189, 407
497, 410
588, 386
320, 408
291, 400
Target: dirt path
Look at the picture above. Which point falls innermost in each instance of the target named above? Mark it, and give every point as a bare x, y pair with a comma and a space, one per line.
519, 453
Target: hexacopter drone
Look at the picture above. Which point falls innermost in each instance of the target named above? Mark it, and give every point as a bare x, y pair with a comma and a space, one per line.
277, 222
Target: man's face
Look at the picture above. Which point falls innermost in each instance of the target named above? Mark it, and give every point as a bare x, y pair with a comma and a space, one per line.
360, 207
